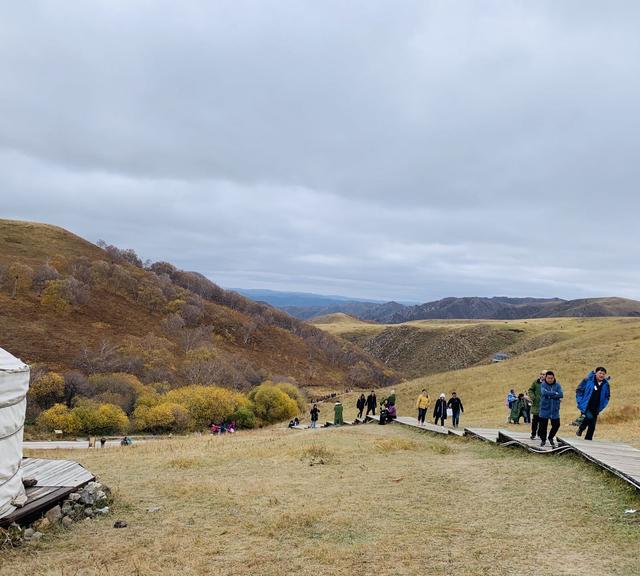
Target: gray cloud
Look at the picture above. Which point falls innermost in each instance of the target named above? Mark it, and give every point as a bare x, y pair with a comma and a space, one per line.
411, 151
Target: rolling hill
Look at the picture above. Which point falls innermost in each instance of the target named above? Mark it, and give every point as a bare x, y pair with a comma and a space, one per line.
68, 304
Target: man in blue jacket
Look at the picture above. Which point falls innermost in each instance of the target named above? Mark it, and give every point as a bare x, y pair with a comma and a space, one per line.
592, 397
550, 396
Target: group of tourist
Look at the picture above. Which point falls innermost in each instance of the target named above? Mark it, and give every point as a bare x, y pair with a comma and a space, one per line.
442, 408
543, 399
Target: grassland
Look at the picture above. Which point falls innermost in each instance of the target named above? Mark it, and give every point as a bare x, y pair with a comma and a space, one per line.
569, 346
360, 500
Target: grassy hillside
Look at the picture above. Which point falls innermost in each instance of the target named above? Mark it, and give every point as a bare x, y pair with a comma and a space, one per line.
362, 500
426, 347
569, 346
73, 298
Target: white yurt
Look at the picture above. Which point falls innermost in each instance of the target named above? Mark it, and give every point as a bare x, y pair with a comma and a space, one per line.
14, 384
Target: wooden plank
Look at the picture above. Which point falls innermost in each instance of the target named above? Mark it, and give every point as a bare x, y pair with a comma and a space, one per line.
620, 459
524, 440
488, 434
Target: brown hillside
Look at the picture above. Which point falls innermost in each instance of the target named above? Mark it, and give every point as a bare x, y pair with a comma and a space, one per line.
145, 321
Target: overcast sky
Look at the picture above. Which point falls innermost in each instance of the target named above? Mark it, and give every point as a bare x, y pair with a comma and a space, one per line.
392, 150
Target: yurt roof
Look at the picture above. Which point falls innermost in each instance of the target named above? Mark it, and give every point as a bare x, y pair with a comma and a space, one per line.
10, 363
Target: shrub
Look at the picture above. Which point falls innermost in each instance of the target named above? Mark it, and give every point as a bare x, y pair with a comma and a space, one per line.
101, 418
53, 297
206, 403
47, 389
294, 393
59, 417
117, 388
244, 417
271, 404
43, 274
20, 277
163, 417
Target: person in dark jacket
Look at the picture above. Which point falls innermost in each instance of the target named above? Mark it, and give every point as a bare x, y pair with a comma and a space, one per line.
592, 397
337, 414
456, 407
314, 415
440, 410
372, 403
551, 395
360, 404
518, 409
535, 394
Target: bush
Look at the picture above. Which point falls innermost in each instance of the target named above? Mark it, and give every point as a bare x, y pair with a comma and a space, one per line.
20, 277
59, 417
117, 388
294, 393
100, 419
244, 417
271, 404
206, 403
53, 297
47, 389
163, 417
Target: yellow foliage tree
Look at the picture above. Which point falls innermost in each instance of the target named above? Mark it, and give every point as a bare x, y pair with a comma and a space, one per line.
20, 277
207, 403
101, 418
53, 297
47, 390
59, 417
271, 404
163, 417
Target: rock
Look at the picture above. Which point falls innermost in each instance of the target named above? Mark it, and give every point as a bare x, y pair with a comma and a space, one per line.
29, 482
28, 533
67, 522
36, 536
19, 501
42, 524
54, 515
153, 509
67, 509
120, 524
74, 497
102, 511
89, 512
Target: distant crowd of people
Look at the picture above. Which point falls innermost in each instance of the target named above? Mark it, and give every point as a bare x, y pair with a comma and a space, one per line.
222, 428
540, 404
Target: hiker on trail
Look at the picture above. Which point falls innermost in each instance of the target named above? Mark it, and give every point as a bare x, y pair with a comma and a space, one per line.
527, 408
337, 414
511, 398
422, 404
535, 394
388, 412
518, 409
360, 404
592, 397
440, 410
551, 395
372, 403
103, 441
314, 415
455, 405
391, 399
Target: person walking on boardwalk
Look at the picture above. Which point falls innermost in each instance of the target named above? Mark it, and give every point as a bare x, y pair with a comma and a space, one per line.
422, 404
592, 397
511, 398
455, 404
314, 415
360, 404
551, 395
337, 414
440, 410
372, 403
535, 394
518, 409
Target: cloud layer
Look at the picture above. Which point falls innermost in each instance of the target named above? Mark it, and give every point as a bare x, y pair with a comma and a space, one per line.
406, 151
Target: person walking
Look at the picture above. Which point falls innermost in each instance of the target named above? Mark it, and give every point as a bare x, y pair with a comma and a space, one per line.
440, 410
592, 397
337, 414
527, 408
535, 394
422, 404
314, 415
511, 398
372, 403
455, 404
551, 396
518, 409
360, 404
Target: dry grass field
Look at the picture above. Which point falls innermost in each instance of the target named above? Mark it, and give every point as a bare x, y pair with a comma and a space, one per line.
569, 346
356, 500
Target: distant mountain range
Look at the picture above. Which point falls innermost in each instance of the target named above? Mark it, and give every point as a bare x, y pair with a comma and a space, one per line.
479, 308
298, 299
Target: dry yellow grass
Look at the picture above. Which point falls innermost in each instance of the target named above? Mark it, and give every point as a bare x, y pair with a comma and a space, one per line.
387, 500
569, 346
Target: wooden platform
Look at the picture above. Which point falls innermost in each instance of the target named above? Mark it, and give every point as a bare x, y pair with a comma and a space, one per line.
413, 422
523, 439
487, 434
620, 459
56, 479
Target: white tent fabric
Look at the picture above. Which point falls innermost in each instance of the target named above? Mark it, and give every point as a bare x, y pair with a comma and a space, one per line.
14, 384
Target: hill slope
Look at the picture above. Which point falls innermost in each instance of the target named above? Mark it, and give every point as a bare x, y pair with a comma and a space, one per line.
77, 305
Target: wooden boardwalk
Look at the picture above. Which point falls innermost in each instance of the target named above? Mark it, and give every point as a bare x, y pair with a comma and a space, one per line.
487, 434
620, 459
413, 422
523, 439
56, 479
